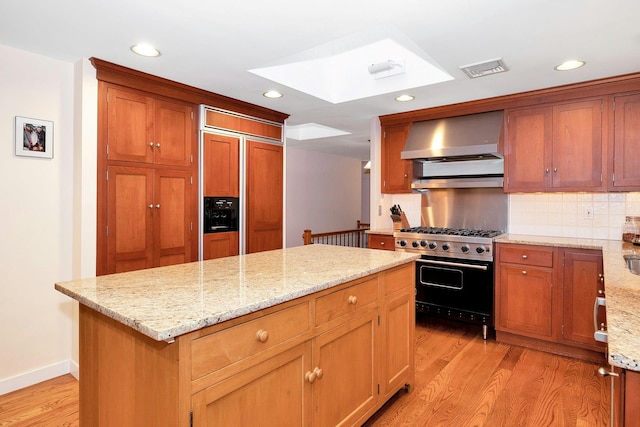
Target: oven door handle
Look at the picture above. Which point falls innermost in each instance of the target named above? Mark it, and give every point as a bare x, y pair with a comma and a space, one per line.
452, 264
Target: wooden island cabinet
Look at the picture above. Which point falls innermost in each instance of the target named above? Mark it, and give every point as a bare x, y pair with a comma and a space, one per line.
326, 348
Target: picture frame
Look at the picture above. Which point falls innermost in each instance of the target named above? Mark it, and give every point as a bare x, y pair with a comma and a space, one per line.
34, 137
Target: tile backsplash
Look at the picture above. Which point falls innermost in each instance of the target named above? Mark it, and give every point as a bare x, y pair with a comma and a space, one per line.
566, 214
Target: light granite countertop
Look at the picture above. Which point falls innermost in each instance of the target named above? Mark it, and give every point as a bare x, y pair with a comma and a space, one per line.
384, 231
622, 290
166, 302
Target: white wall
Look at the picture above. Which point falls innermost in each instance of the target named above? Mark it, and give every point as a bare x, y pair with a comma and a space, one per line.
323, 193
37, 222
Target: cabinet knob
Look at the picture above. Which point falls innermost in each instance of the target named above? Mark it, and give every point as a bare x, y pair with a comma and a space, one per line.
353, 299
524, 257
381, 243
600, 292
524, 272
158, 206
151, 144
406, 175
546, 171
555, 170
318, 372
310, 377
158, 145
151, 206
262, 335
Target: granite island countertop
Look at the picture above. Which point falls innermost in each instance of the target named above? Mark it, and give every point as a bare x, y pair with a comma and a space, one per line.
622, 290
165, 302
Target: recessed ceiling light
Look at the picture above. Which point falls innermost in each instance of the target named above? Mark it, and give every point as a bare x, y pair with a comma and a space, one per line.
272, 94
145, 49
405, 98
569, 65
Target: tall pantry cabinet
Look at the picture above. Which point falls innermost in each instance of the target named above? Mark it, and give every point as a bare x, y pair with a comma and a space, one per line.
148, 144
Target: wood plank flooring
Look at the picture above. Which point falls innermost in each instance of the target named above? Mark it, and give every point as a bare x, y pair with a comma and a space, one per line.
461, 381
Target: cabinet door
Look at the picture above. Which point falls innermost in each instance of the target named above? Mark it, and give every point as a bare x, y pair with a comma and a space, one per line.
582, 282
220, 245
626, 161
264, 197
398, 350
347, 388
172, 217
524, 305
130, 211
528, 149
173, 133
129, 126
396, 172
577, 146
220, 167
271, 393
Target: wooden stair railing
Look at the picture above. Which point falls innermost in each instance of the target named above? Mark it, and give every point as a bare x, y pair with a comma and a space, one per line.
354, 238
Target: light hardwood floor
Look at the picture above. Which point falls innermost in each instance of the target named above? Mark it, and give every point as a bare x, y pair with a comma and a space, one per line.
461, 380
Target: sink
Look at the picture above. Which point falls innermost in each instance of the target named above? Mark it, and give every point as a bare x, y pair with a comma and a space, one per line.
633, 263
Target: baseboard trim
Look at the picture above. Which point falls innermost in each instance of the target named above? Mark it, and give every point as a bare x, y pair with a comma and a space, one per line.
8, 385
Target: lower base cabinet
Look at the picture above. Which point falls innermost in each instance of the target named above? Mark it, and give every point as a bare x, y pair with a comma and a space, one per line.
545, 296
330, 358
220, 245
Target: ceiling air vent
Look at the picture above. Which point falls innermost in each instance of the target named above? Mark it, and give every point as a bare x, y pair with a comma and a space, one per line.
480, 69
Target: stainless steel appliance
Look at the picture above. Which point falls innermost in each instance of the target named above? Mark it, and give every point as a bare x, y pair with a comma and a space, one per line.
220, 214
454, 275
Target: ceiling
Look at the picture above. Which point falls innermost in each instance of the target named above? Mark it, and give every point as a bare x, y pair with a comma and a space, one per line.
213, 45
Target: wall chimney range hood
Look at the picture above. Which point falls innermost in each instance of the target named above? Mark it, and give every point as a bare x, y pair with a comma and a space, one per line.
457, 152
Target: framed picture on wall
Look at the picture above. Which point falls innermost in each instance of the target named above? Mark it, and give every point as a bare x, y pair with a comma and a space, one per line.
34, 137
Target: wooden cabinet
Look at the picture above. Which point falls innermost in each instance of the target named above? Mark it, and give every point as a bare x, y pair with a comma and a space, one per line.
556, 148
264, 216
220, 245
296, 363
582, 282
382, 241
524, 289
396, 173
220, 165
144, 129
146, 199
148, 218
545, 298
626, 143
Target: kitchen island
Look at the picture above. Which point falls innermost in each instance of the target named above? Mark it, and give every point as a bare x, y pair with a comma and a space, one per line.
312, 335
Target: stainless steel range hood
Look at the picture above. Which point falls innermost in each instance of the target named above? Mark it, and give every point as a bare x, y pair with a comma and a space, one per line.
457, 152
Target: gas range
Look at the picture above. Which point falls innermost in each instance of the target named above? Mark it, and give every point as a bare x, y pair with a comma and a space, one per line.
472, 244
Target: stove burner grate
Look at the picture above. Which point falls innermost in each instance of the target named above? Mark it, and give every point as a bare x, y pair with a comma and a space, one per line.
453, 231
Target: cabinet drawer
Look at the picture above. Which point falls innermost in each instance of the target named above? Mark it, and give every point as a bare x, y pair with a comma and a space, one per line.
220, 349
381, 241
527, 255
347, 300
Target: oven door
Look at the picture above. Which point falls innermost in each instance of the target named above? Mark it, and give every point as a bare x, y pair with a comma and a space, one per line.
455, 288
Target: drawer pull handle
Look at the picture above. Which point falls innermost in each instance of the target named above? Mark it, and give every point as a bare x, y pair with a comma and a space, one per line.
381, 243
524, 257
353, 299
262, 335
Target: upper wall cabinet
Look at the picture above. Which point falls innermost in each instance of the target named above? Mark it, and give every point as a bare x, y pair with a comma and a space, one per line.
626, 143
396, 172
144, 129
555, 148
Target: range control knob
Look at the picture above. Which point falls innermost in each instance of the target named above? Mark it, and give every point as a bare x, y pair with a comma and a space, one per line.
403, 243
423, 243
446, 246
465, 248
432, 245
480, 249
415, 244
